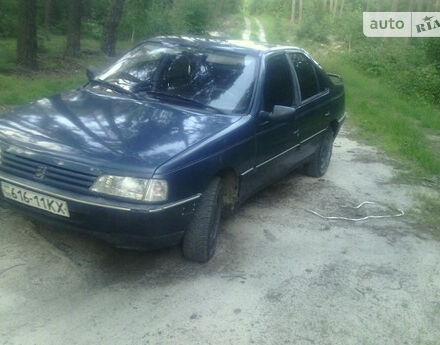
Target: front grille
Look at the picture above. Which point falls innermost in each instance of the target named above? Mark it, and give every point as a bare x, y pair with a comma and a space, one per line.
52, 175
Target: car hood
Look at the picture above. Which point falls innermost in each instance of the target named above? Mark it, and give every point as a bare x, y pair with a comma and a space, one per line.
108, 130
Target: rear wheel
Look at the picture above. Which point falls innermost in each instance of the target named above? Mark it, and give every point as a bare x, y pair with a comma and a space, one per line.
320, 162
200, 240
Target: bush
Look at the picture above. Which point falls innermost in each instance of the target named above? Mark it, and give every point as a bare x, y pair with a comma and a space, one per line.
404, 65
315, 26
196, 15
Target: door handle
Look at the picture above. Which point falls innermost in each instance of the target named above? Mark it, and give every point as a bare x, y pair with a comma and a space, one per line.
296, 132
263, 123
327, 114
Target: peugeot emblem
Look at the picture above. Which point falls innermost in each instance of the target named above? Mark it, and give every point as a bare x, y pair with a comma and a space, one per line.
41, 172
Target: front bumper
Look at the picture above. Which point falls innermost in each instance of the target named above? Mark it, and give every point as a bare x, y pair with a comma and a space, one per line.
123, 224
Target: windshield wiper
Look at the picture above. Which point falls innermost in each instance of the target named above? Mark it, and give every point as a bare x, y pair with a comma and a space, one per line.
183, 99
113, 87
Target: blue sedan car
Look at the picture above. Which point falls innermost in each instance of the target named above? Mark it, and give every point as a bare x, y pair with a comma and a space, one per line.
154, 149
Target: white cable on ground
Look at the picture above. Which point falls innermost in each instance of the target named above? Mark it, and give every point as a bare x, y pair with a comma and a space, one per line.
401, 213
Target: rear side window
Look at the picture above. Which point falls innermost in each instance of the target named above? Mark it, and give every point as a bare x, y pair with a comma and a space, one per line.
323, 79
305, 71
278, 88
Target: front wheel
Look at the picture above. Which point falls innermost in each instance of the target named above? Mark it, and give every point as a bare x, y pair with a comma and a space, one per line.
320, 162
200, 240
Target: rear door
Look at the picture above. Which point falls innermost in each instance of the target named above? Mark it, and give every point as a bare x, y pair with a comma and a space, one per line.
314, 105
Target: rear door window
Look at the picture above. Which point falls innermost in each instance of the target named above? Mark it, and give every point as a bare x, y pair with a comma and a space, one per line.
305, 71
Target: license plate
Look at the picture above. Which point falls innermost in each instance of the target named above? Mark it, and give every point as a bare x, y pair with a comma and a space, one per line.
37, 200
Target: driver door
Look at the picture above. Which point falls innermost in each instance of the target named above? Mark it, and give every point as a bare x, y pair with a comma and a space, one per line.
276, 140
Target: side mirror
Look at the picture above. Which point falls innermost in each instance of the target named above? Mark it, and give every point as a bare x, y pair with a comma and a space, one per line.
91, 73
281, 113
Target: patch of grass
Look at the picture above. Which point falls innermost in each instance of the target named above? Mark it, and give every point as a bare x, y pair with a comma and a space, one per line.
429, 214
388, 119
18, 90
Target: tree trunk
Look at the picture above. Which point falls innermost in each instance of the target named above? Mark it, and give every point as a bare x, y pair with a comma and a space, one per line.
300, 16
27, 34
335, 6
74, 28
292, 12
368, 6
108, 45
48, 13
133, 32
341, 10
437, 5
220, 6
86, 10
395, 6
379, 6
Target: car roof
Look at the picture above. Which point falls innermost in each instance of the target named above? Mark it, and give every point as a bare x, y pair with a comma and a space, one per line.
236, 46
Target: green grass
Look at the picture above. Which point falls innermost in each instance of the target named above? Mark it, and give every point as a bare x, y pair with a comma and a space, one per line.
18, 90
428, 213
388, 119
56, 72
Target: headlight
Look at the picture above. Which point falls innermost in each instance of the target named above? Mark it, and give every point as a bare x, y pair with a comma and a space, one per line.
132, 188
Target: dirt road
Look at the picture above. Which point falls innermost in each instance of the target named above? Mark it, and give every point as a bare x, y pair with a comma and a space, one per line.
281, 275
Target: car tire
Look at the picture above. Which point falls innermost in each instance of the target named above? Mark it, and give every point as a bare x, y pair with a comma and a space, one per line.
320, 162
200, 239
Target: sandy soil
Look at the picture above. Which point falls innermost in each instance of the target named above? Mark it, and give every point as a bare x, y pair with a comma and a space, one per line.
281, 274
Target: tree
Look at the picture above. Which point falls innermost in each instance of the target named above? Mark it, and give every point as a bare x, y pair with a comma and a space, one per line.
48, 13
300, 16
27, 34
74, 28
335, 7
341, 10
292, 12
108, 45
368, 6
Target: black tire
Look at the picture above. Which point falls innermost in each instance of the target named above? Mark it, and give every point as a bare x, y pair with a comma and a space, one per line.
320, 162
200, 240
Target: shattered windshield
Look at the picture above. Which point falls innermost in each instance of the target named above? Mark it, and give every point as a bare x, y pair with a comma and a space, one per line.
215, 79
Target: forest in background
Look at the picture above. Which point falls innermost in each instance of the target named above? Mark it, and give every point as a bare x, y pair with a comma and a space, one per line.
412, 66
32, 22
